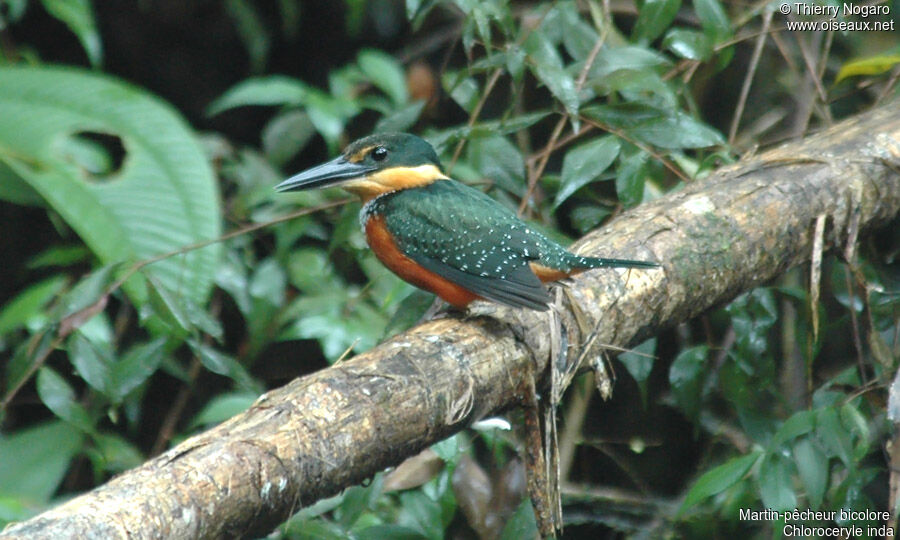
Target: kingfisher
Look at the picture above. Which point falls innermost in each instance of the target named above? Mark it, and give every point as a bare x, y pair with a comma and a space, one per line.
442, 235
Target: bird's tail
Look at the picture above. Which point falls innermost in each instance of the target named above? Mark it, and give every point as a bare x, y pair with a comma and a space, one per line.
599, 262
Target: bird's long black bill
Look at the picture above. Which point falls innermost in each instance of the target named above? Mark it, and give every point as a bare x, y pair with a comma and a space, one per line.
621, 263
329, 173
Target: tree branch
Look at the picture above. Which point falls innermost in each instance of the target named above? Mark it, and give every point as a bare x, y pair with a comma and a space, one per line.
716, 238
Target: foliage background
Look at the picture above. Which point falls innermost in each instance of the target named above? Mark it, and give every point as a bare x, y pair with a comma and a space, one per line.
173, 120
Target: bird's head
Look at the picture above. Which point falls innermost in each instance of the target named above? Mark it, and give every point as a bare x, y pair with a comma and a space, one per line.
374, 165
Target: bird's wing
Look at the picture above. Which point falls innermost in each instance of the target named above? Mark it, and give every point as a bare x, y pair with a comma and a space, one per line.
519, 288
469, 239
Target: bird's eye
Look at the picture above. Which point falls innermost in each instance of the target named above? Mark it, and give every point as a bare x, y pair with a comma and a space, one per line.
379, 153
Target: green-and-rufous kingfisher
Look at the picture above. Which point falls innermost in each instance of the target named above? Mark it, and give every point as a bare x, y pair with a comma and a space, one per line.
440, 234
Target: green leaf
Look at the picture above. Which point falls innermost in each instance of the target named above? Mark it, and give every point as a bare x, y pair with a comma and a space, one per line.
547, 65
421, 513
858, 425
14, 188
78, 15
59, 256
402, 119
718, 479
232, 278
462, 89
252, 31
26, 308
135, 367
169, 307
59, 397
23, 360
12, 10
315, 529
678, 130
270, 90
500, 161
389, 532
515, 63
450, 449
686, 378
114, 454
285, 135
11, 508
36, 459
163, 197
86, 292
268, 283
713, 19
638, 86
223, 364
798, 424
316, 509
442, 139
386, 73
92, 362
639, 363
812, 464
775, 488
329, 115
584, 164
587, 216
578, 36
357, 500
624, 116
631, 178
688, 44
628, 58
521, 524
223, 407
752, 315
872, 65
833, 434
654, 18
409, 311
416, 10
180, 312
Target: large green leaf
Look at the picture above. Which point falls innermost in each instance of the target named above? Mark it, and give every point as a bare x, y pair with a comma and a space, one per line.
78, 15
584, 164
270, 90
813, 466
35, 460
776, 483
26, 308
162, 197
547, 65
718, 479
59, 397
386, 73
654, 18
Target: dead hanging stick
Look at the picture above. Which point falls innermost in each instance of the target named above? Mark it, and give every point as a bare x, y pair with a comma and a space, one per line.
815, 274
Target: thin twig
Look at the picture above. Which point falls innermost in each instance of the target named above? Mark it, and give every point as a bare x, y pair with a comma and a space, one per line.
854, 324
476, 112
748, 79
561, 143
38, 362
536, 173
656, 155
136, 267
82, 315
489, 87
167, 431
